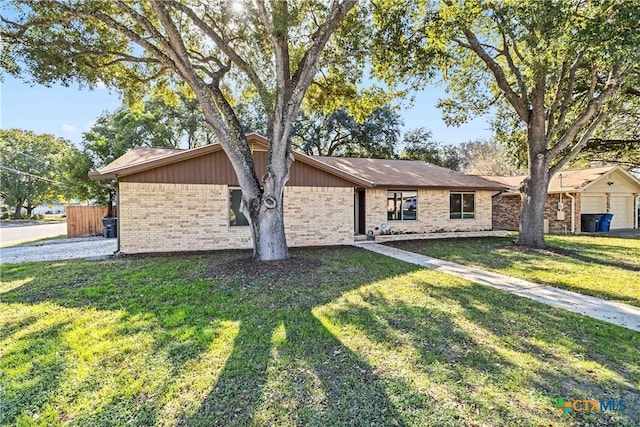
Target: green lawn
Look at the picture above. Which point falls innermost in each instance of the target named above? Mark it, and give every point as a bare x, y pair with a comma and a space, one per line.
604, 267
336, 336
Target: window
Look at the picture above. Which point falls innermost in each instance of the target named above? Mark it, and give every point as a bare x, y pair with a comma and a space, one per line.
236, 218
462, 205
402, 205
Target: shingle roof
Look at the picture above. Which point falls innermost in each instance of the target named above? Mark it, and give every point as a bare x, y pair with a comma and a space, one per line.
407, 173
138, 155
360, 171
569, 180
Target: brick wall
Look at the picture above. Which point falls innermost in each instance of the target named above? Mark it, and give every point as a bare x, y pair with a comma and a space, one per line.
432, 212
318, 216
190, 217
506, 212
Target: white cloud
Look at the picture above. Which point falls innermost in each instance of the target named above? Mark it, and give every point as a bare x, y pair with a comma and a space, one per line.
68, 129
87, 126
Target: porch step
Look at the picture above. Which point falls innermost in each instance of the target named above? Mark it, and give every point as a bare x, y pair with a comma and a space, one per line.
360, 238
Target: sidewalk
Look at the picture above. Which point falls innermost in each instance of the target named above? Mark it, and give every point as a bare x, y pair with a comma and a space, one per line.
619, 314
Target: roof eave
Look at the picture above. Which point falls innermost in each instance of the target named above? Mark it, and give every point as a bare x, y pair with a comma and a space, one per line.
154, 163
96, 175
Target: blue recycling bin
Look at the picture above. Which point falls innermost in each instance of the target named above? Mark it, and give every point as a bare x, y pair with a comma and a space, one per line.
605, 222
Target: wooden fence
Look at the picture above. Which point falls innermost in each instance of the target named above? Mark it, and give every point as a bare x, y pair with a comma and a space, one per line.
85, 220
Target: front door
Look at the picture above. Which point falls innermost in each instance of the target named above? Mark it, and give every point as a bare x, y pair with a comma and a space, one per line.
359, 212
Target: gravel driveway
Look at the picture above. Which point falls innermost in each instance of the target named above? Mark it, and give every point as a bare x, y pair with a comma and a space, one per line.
61, 249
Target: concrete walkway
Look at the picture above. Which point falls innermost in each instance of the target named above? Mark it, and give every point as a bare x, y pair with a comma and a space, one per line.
619, 314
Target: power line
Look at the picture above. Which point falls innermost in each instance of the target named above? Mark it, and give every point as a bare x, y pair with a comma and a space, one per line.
32, 157
31, 175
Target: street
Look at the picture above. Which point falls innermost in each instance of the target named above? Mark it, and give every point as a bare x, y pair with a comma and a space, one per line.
11, 235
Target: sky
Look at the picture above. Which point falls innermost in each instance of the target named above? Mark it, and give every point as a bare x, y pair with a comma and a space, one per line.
67, 112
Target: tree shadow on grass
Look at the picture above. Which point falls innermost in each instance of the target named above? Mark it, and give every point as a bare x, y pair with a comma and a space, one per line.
34, 377
308, 377
485, 356
501, 257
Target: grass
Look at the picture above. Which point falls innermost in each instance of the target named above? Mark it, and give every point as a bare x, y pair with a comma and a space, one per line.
605, 267
336, 336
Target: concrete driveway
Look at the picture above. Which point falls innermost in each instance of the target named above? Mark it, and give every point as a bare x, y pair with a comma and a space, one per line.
60, 249
14, 233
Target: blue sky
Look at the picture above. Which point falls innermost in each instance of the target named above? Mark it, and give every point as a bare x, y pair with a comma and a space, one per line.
67, 112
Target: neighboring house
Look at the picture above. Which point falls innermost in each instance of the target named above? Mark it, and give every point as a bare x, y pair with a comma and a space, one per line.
55, 208
572, 193
184, 200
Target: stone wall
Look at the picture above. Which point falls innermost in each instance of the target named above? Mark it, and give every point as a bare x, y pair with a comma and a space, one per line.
191, 217
432, 213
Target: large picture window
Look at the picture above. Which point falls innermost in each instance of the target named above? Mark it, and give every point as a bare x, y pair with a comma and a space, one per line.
236, 218
402, 205
462, 205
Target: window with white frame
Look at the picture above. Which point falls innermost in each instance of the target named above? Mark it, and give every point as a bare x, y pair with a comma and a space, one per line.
462, 205
236, 218
402, 205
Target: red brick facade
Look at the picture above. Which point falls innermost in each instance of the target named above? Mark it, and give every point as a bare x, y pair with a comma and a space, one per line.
506, 212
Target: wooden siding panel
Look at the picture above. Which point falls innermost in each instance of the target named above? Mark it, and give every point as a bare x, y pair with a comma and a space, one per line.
215, 168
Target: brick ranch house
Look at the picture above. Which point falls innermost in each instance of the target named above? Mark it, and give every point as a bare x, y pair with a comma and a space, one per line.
189, 200
608, 189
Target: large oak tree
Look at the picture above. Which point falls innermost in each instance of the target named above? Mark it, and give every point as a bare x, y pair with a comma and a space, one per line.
222, 50
553, 70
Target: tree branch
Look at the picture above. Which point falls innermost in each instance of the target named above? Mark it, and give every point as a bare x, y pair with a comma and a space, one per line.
514, 70
566, 98
498, 73
592, 109
227, 50
307, 67
584, 139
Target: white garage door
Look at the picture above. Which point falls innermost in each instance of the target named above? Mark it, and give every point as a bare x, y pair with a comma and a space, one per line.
622, 210
593, 203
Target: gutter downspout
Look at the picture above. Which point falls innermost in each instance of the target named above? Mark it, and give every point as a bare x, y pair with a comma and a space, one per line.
115, 189
636, 220
117, 222
573, 212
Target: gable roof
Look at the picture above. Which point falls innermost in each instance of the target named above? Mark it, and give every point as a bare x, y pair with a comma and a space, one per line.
145, 158
390, 173
362, 172
138, 155
575, 180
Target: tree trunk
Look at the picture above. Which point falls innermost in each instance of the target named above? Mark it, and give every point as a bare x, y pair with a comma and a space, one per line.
110, 205
29, 209
267, 229
534, 199
18, 211
535, 185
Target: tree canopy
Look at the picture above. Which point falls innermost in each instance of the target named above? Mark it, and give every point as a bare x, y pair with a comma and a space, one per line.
481, 157
419, 145
31, 168
339, 134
